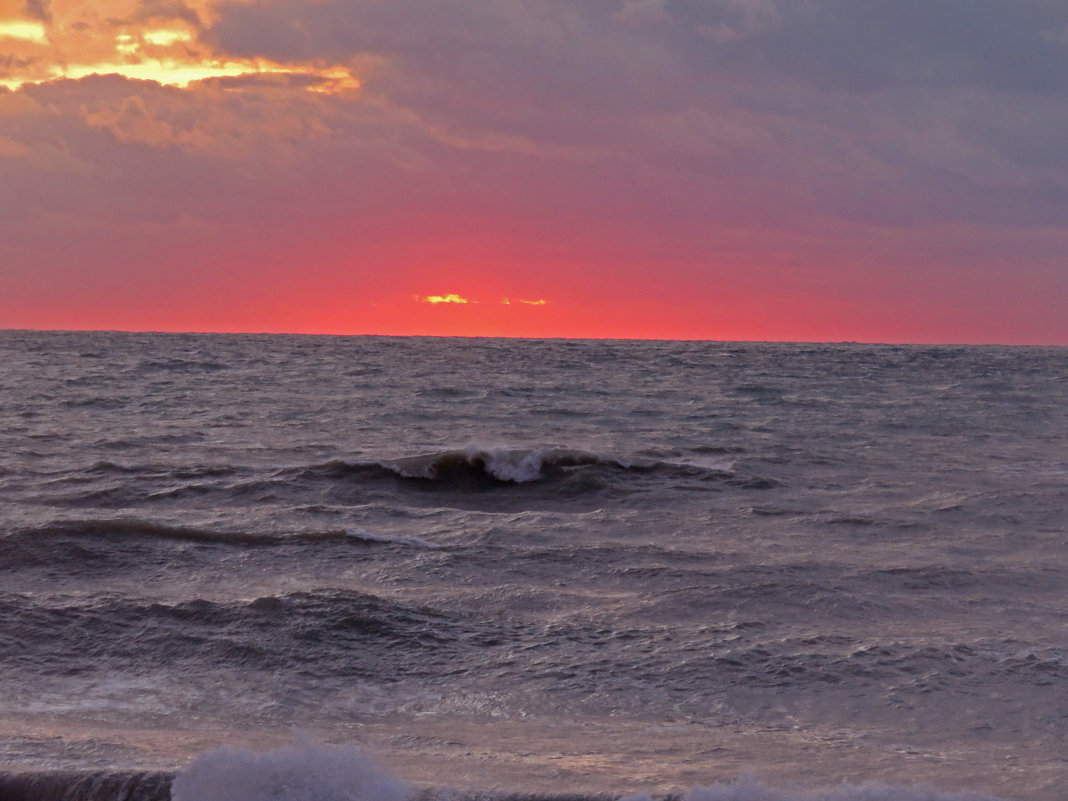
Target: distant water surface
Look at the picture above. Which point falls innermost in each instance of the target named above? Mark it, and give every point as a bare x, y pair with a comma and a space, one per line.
538, 566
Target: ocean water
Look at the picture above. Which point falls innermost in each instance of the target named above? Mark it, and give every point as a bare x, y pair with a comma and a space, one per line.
325, 568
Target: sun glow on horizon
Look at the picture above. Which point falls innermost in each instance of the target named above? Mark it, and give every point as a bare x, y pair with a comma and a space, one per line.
457, 299
434, 300
165, 37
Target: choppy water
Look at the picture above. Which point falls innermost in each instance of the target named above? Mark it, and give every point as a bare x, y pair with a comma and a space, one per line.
533, 567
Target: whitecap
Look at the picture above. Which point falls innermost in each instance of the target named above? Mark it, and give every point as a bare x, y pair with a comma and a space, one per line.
304, 770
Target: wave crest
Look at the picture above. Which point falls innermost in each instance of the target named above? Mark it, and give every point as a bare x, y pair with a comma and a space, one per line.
503, 465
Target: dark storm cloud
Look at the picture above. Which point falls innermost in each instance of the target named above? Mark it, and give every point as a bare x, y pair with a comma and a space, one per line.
848, 44
167, 10
11, 64
873, 44
583, 73
39, 10
943, 100
487, 52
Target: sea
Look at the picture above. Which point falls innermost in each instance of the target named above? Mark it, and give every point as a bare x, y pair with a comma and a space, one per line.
315, 568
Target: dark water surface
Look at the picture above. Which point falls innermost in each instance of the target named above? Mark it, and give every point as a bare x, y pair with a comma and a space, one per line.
521, 566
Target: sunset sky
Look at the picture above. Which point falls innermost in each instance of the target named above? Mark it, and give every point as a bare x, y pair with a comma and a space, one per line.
872, 170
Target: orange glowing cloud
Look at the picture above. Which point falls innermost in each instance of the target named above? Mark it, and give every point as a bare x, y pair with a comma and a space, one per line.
25, 31
436, 299
115, 37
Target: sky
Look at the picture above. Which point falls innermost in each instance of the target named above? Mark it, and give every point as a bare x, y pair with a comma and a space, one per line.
798, 170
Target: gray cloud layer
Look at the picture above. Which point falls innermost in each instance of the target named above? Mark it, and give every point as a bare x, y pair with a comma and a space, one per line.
859, 45
941, 108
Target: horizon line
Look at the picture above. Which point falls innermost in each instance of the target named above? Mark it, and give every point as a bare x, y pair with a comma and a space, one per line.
888, 343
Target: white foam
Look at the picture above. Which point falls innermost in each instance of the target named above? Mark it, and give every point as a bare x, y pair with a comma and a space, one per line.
508, 465
302, 771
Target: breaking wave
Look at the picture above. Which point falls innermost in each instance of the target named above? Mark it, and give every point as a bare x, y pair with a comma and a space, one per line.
478, 466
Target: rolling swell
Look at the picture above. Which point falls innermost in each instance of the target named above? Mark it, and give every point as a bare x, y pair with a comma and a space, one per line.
473, 477
123, 528
315, 634
89, 544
